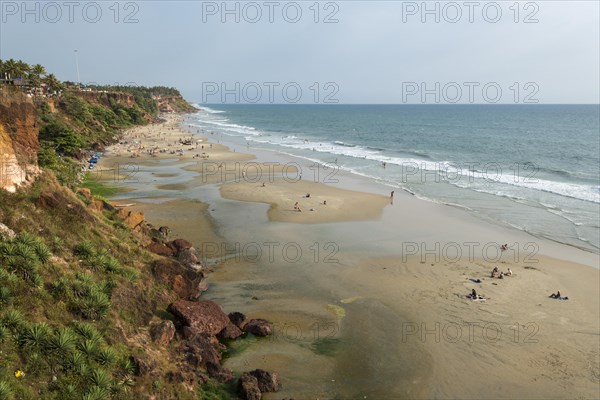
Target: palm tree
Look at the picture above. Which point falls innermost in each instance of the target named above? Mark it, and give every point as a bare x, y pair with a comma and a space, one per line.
35, 75
54, 85
38, 70
10, 68
22, 69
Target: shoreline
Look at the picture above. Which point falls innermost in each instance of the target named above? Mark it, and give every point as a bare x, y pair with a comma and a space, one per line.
350, 293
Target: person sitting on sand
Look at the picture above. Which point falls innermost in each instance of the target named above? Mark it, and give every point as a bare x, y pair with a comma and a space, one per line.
473, 294
324, 202
307, 195
494, 272
508, 273
297, 207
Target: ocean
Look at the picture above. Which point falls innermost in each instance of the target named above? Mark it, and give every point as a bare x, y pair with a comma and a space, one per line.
532, 167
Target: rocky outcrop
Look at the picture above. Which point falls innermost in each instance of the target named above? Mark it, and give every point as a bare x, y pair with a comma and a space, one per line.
18, 142
248, 387
203, 352
253, 384
203, 317
187, 283
132, 219
267, 381
160, 249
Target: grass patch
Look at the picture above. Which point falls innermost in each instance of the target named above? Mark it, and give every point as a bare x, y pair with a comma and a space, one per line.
100, 189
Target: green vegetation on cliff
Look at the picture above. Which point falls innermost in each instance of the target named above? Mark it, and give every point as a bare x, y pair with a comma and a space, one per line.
78, 291
74, 118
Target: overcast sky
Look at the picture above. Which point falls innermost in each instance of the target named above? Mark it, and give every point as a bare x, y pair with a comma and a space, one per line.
355, 52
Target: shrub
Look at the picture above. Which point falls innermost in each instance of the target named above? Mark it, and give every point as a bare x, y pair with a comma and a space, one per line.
13, 320
35, 338
97, 393
5, 296
85, 250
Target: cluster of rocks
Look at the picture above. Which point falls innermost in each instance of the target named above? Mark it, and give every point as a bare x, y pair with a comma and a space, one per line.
201, 324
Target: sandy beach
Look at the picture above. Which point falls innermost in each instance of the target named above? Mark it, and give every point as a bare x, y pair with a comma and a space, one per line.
324, 203
369, 319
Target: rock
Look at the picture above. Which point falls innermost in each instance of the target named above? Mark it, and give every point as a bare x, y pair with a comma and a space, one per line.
162, 333
238, 319
259, 327
186, 282
164, 231
248, 387
216, 371
85, 192
230, 332
7, 232
181, 244
160, 249
267, 381
187, 257
131, 218
205, 317
199, 351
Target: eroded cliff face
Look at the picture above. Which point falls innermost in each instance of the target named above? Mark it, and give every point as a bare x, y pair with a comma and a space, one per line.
18, 142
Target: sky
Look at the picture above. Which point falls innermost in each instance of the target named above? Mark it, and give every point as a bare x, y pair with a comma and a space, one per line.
324, 52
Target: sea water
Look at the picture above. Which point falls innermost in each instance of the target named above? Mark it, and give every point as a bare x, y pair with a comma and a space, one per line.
532, 167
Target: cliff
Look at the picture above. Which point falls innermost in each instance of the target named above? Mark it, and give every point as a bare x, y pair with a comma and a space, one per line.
18, 141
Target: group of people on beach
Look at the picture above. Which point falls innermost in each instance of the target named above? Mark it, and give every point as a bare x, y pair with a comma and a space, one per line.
496, 273
307, 196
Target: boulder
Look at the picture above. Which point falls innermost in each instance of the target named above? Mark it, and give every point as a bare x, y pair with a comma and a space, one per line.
181, 244
248, 387
131, 218
238, 319
164, 231
162, 333
230, 332
160, 249
199, 351
267, 381
205, 317
188, 257
216, 371
259, 327
6, 232
186, 282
